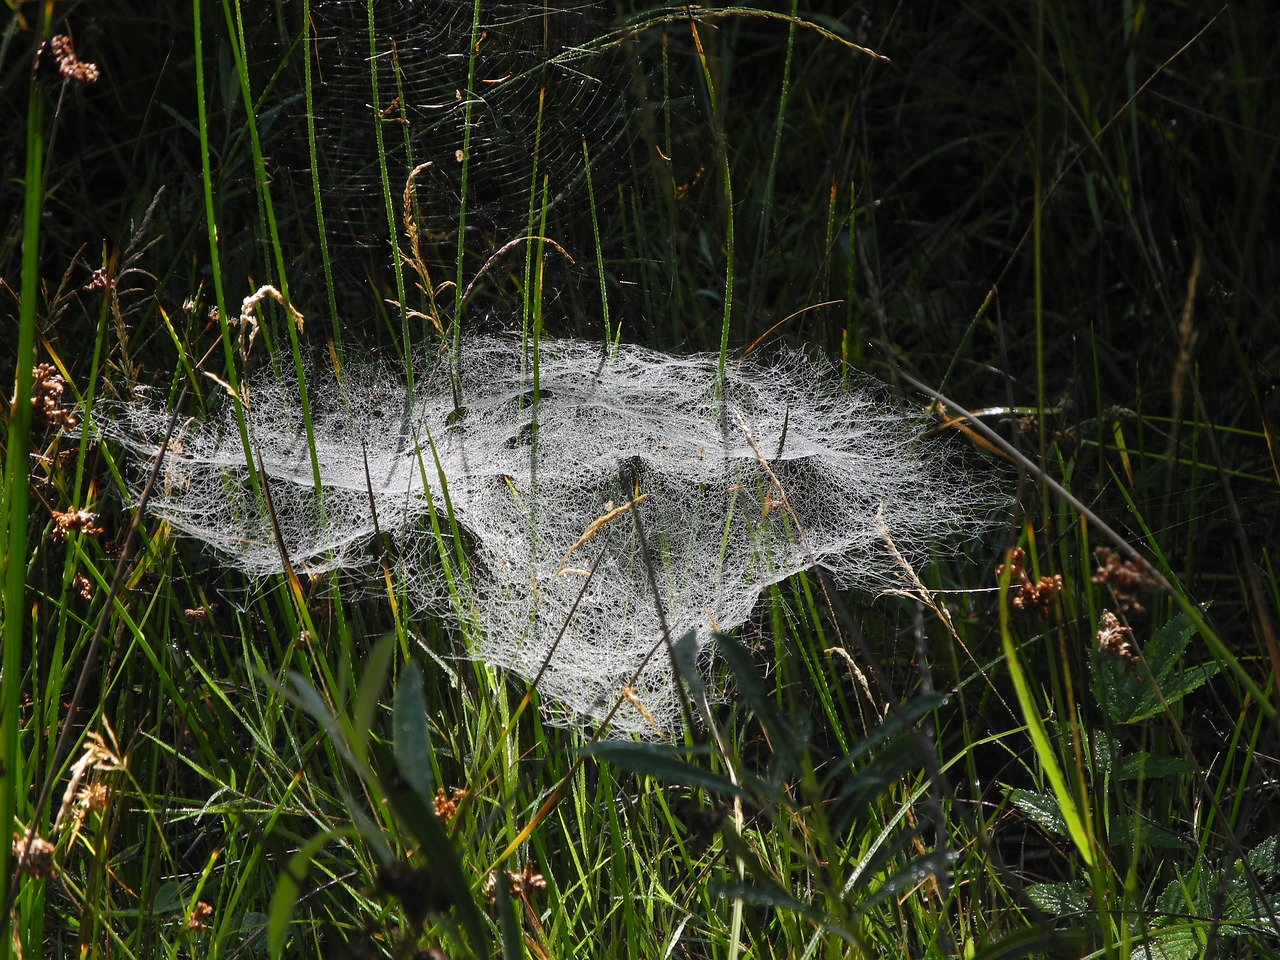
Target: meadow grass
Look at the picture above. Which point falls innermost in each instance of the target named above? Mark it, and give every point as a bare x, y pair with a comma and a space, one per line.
1059, 744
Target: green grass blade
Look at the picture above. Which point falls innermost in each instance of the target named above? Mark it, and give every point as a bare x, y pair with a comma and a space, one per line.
412, 741
14, 501
1071, 813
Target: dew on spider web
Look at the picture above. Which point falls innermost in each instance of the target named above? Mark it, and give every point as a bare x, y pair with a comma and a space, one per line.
515, 94
544, 492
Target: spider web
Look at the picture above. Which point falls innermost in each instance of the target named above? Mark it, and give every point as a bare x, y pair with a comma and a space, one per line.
501, 95
738, 485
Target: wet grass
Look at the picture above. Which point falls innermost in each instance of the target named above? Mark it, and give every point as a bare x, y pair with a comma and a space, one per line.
1062, 222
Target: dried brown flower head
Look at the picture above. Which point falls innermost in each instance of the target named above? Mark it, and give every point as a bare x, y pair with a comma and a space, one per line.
33, 859
97, 282
522, 883
1031, 596
1125, 578
198, 918
96, 797
196, 614
86, 790
70, 521
1114, 641
59, 53
447, 808
47, 389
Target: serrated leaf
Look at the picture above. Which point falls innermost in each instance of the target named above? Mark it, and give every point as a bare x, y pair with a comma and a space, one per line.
1041, 808
412, 740
663, 763
1128, 695
1251, 900
1172, 943
1265, 857
1060, 899
1124, 831
1167, 647
1151, 766
1188, 894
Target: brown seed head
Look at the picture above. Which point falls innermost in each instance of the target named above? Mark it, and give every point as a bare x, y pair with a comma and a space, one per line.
71, 67
34, 859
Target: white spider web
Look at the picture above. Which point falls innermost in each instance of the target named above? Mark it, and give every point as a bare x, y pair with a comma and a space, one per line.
535, 487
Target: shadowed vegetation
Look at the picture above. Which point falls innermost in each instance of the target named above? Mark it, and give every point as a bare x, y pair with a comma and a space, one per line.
1059, 220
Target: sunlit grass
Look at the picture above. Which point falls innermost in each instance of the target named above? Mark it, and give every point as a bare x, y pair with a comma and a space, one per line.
1061, 224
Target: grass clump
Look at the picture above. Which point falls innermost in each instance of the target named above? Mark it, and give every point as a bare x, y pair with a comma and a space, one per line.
1055, 221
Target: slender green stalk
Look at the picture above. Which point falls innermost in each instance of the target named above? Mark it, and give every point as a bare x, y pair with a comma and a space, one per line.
215, 261
595, 235
14, 500
1076, 816
771, 174
317, 194
726, 180
468, 112
388, 198
233, 14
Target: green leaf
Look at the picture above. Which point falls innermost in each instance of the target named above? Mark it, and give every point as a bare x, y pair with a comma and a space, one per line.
168, 898
898, 722
1035, 942
685, 653
1074, 820
763, 895
1184, 942
1061, 899
438, 850
288, 886
248, 932
508, 920
1041, 808
863, 787
1263, 858
909, 876
664, 763
1152, 766
1124, 831
303, 695
1188, 894
1253, 901
1127, 693
411, 737
757, 698
367, 694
